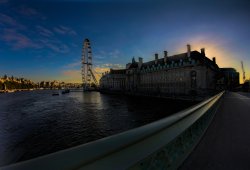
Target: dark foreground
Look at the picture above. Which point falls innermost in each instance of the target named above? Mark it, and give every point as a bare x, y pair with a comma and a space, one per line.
226, 144
36, 123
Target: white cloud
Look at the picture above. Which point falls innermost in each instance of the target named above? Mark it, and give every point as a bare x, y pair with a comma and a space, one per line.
44, 31
18, 40
55, 45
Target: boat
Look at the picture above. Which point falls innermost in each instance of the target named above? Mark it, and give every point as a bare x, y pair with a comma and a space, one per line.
55, 94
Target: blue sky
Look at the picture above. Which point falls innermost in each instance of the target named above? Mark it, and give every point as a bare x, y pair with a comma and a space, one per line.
42, 40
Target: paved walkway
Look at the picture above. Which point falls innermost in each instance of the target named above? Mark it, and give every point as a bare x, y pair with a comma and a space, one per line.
226, 144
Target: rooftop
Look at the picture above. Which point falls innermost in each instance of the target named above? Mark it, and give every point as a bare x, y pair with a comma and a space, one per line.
195, 55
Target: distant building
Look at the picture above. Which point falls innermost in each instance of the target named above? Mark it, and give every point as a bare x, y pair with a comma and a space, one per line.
42, 84
190, 73
47, 84
114, 81
246, 86
55, 84
230, 78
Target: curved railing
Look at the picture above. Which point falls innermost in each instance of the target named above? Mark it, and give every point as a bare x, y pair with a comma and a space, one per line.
163, 144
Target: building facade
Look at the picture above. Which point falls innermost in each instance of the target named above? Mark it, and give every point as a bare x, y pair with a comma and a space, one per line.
114, 81
190, 73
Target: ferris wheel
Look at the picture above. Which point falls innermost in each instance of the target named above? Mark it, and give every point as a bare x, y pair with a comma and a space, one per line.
88, 76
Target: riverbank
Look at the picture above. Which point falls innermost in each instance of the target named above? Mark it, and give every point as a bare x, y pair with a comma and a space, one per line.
15, 90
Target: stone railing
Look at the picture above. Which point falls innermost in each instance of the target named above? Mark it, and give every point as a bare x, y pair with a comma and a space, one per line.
163, 144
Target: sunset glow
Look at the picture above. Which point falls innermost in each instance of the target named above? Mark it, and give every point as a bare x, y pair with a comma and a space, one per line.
43, 43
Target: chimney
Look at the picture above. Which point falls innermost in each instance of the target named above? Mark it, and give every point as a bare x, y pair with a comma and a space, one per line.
140, 62
156, 58
214, 60
165, 56
188, 50
203, 51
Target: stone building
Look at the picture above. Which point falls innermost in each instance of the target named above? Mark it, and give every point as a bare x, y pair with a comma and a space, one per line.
189, 73
230, 78
114, 81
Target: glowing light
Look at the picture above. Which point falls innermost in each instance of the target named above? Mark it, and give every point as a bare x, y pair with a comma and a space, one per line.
215, 47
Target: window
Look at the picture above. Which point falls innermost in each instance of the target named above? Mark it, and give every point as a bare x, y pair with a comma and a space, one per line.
193, 79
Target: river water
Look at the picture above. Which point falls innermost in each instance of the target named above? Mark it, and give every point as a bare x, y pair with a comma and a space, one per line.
35, 123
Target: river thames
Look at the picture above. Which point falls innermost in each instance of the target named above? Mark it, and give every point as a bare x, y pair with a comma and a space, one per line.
35, 123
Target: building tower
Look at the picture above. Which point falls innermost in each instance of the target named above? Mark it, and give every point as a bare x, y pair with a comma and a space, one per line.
87, 73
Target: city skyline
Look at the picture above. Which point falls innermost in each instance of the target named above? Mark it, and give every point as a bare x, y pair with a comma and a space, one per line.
42, 40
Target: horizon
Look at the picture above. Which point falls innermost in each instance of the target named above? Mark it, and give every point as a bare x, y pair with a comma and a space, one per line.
44, 44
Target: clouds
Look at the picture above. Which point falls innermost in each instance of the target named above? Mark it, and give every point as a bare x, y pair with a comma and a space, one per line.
29, 12
9, 22
44, 31
72, 74
115, 54
19, 35
54, 45
20, 30
11, 33
110, 65
108, 54
100, 70
59, 48
74, 64
17, 40
50, 40
54, 31
64, 30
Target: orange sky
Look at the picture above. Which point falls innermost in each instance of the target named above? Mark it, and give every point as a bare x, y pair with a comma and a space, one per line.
213, 48
224, 57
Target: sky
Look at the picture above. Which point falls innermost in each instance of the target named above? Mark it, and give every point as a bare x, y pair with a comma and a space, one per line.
42, 39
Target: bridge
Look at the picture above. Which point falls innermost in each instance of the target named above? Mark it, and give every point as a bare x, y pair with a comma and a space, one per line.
213, 134
226, 144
